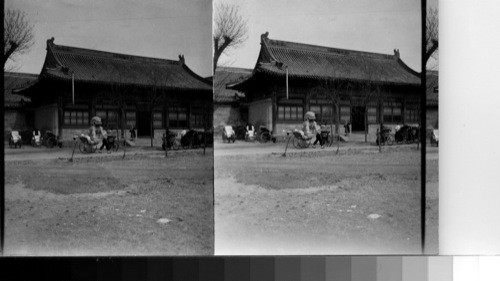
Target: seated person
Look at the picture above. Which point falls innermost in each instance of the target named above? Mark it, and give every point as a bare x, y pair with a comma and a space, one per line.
250, 130
36, 136
94, 134
309, 126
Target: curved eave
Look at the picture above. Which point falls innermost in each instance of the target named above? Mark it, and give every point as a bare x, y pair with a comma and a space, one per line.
409, 69
282, 74
237, 85
198, 77
23, 91
100, 82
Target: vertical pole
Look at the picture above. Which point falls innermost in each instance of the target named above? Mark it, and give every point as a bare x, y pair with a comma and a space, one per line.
286, 71
423, 103
73, 87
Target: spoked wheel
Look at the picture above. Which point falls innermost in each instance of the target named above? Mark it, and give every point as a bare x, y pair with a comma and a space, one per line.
175, 145
264, 137
82, 148
329, 141
116, 146
87, 148
296, 143
51, 142
390, 140
305, 143
194, 144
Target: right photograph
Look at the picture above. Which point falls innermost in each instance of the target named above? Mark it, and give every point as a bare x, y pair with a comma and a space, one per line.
318, 130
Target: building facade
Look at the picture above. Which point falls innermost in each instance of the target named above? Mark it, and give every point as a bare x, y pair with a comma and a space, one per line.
432, 100
18, 112
126, 91
340, 86
229, 105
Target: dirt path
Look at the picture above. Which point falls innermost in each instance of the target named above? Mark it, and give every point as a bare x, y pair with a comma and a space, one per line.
109, 207
353, 203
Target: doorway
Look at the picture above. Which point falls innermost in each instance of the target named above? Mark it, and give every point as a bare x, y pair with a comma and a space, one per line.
143, 124
358, 118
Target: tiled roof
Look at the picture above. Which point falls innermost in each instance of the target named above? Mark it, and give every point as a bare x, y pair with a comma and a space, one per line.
226, 75
13, 80
316, 62
432, 87
93, 66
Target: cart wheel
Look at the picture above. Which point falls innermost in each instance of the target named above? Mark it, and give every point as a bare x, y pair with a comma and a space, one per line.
390, 140
329, 141
81, 147
175, 145
305, 143
51, 142
296, 142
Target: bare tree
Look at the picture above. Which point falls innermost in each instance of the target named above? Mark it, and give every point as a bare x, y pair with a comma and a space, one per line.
432, 33
331, 89
119, 96
371, 93
155, 95
18, 34
230, 30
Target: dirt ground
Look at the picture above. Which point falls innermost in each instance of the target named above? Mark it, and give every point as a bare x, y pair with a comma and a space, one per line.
356, 202
108, 206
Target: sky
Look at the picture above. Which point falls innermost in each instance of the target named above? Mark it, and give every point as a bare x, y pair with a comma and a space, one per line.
151, 28
365, 25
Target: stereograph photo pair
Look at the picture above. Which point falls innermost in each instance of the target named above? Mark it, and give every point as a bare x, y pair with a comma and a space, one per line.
230, 128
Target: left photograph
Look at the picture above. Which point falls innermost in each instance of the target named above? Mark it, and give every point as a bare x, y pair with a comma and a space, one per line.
108, 128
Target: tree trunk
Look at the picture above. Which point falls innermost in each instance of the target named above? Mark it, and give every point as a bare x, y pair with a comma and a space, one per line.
381, 116
152, 127
13, 48
380, 138
60, 116
337, 121
337, 124
366, 123
123, 122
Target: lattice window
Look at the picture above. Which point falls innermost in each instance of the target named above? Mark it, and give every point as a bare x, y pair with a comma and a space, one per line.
76, 117
392, 112
177, 117
290, 113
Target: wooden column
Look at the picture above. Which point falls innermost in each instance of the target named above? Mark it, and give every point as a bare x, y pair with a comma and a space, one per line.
60, 115
403, 112
307, 102
190, 108
274, 113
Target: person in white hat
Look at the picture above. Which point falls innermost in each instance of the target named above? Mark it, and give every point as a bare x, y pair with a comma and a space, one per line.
94, 132
309, 126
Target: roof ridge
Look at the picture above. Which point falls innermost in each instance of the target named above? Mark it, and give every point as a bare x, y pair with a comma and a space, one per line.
106, 54
229, 68
7, 73
323, 49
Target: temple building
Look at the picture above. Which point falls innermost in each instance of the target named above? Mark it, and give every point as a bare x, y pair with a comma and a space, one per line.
126, 91
18, 112
340, 86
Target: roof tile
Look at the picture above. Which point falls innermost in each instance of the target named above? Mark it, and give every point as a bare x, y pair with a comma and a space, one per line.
311, 61
105, 67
